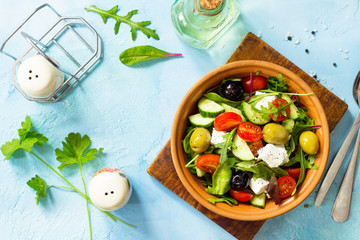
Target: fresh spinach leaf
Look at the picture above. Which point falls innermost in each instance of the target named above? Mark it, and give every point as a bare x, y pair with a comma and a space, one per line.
219, 99
228, 200
221, 178
143, 53
186, 142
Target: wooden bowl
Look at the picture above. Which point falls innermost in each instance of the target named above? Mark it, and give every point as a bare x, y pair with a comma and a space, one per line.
188, 106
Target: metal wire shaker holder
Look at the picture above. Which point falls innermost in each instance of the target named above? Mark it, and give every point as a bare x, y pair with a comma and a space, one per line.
40, 47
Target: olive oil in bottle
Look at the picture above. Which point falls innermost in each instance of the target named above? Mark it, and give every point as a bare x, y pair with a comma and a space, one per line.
201, 22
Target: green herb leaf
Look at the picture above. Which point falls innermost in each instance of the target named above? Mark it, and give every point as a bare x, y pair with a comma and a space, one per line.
105, 14
75, 150
26, 126
247, 166
26, 141
228, 142
143, 53
279, 85
228, 200
219, 99
221, 178
10, 147
39, 185
186, 142
207, 180
273, 110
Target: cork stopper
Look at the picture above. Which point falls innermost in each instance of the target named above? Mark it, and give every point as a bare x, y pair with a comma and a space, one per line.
210, 4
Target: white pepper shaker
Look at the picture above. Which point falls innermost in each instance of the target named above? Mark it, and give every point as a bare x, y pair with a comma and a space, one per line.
37, 77
109, 189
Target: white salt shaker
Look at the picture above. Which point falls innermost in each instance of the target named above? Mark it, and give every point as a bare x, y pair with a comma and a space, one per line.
37, 77
109, 189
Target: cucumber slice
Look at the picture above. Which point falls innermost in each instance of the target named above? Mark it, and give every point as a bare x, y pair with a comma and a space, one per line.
252, 116
258, 200
293, 109
288, 124
209, 109
234, 110
242, 150
199, 121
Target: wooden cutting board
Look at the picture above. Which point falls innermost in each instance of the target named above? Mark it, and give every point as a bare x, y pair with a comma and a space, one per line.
251, 48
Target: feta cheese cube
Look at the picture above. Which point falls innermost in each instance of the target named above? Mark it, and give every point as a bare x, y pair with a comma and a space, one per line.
273, 155
217, 137
264, 101
258, 186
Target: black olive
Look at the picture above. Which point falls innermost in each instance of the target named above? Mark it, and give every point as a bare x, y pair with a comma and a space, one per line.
239, 180
232, 90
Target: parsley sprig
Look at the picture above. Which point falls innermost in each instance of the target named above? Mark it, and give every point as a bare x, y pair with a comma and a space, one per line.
75, 150
112, 13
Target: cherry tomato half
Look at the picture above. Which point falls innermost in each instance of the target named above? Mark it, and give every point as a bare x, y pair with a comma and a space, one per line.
294, 172
249, 132
280, 116
258, 83
255, 146
286, 186
208, 162
241, 196
227, 121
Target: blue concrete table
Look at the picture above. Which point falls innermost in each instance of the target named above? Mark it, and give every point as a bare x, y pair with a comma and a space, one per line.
129, 112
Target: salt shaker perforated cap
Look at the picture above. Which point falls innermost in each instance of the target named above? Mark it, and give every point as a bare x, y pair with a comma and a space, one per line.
109, 189
39, 78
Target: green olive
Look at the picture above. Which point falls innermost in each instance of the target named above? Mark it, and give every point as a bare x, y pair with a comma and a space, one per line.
309, 142
200, 140
275, 133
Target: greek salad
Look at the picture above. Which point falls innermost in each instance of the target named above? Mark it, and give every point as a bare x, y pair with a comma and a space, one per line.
251, 140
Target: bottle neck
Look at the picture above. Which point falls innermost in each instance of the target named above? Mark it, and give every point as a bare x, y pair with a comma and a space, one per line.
207, 7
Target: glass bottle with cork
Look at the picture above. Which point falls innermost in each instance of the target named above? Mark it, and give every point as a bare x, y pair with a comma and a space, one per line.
201, 22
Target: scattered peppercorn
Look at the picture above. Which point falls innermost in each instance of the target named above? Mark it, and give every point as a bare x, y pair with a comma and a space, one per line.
334, 64
313, 32
307, 50
289, 38
306, 205
315, 76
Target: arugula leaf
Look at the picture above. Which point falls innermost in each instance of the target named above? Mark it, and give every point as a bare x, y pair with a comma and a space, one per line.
143, 53
26, 140
277, 84
39, 185
75, 150
228, 142
105, 14
228, 200
300, 157
273, 110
